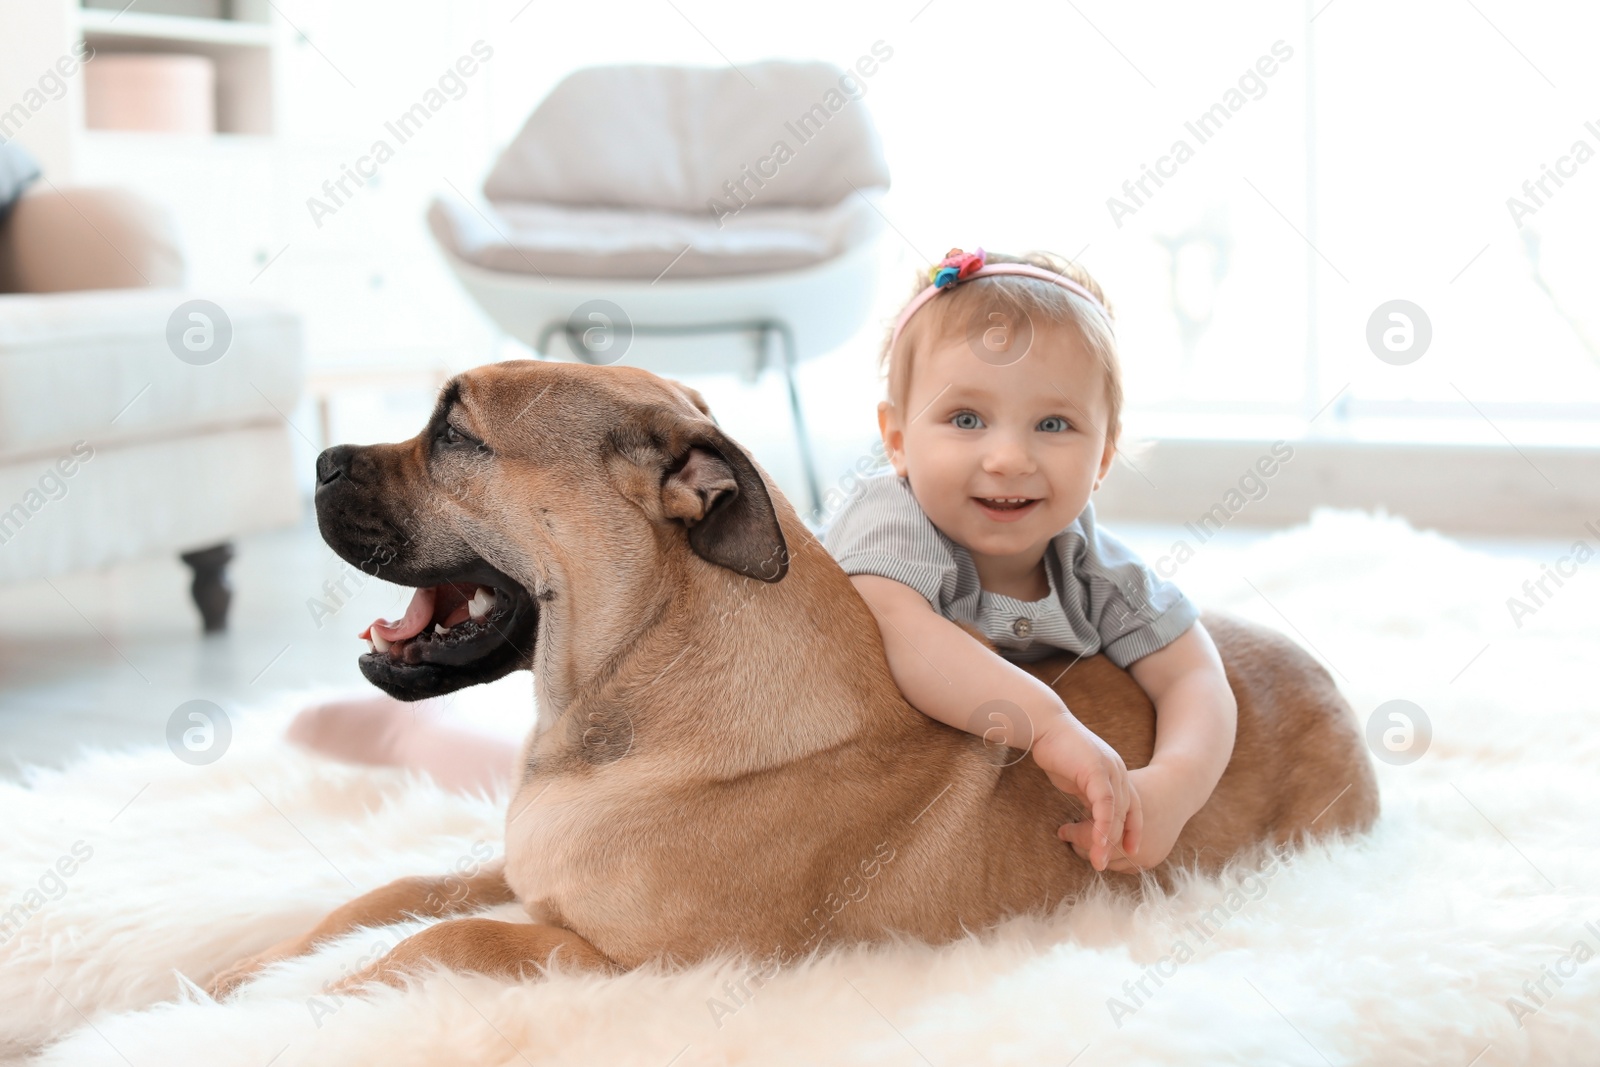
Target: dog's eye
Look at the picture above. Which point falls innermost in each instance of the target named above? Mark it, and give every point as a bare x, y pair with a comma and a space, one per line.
448, 436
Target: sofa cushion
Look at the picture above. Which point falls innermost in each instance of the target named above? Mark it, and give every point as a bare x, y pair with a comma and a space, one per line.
58, 240
97, 366
573, 242
103, 504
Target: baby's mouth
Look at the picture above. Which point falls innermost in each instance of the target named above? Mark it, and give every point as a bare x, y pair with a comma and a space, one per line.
1006, 508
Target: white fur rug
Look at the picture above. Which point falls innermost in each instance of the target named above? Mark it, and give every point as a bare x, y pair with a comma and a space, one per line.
1426, 942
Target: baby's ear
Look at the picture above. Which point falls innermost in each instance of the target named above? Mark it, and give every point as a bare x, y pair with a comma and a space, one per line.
893, 435
1106, 459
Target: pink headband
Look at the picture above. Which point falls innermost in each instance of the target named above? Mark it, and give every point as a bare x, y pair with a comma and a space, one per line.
958, 266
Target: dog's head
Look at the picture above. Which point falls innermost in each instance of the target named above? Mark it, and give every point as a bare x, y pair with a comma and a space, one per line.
536, 486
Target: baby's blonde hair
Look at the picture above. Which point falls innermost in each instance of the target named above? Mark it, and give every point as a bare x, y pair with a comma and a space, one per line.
1014, 296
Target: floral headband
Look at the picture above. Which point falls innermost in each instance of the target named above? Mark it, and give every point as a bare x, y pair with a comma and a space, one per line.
958, 266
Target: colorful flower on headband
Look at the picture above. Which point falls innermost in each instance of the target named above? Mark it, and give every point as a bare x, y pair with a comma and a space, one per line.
955, 267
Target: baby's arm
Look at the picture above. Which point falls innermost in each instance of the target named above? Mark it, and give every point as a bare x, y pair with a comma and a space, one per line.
949, 676
1196, 717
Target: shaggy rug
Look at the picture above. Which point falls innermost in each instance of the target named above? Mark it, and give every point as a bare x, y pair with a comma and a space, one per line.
1463, 930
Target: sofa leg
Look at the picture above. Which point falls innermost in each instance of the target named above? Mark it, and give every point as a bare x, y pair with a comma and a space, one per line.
210, 587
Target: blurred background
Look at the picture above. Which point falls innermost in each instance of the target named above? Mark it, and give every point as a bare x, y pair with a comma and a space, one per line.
244, 230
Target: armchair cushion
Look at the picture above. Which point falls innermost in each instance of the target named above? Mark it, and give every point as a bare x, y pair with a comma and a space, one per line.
573, 242
670, 138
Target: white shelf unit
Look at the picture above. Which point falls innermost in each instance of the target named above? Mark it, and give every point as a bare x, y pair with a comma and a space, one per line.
376, 299
130, 24
241, 50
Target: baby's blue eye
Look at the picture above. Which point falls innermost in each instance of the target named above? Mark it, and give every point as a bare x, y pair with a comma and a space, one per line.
972, 422
1053, 424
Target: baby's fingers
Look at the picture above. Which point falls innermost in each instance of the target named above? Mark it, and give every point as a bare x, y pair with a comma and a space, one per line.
1123, 866
1107, 815
1133, 828
1080, 835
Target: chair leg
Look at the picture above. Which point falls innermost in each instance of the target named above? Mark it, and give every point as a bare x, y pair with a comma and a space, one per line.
807, 460
210, 587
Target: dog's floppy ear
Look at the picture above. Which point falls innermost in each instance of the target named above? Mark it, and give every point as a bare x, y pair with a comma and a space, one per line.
712, 487
694, 398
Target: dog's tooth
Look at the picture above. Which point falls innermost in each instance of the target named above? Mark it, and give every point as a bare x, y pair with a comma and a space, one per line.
379, 644
370, 646
440, 629
481, 604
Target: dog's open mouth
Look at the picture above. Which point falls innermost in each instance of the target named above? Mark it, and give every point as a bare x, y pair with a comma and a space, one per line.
472, 627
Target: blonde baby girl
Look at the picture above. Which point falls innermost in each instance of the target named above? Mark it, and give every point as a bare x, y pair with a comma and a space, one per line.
1003, 413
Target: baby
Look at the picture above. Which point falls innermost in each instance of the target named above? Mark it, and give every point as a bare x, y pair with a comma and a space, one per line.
1005, 396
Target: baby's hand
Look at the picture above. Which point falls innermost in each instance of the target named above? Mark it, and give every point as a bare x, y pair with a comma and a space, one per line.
1163, 822
1080, 764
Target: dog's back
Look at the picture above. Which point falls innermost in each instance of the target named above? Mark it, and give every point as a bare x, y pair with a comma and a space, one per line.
965, 832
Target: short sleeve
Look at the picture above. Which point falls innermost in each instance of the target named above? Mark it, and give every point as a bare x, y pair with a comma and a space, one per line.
882, 530
1135, 611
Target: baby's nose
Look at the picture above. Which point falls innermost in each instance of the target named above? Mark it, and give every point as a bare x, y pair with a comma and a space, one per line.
1008, 452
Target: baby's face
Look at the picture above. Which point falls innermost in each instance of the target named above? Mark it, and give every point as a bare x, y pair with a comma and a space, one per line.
974, 434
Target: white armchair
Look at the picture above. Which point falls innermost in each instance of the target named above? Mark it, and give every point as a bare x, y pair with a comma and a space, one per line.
643, 205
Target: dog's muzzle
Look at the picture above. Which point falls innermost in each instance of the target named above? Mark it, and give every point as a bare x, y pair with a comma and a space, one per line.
467, 623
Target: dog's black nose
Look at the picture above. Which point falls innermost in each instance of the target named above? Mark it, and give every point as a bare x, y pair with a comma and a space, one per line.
333, 464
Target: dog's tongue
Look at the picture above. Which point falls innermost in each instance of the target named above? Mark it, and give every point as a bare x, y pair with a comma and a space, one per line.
418, 615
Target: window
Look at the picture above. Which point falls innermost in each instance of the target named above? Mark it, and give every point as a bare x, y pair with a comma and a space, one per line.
1252, 189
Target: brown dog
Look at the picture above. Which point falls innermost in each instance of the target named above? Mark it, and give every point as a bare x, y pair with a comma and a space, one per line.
722, 760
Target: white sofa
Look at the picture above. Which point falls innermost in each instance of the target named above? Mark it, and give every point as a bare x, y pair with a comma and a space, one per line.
111, 445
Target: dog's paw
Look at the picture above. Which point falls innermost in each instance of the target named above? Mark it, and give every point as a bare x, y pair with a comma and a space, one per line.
223, 984
226, 981
382, 972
